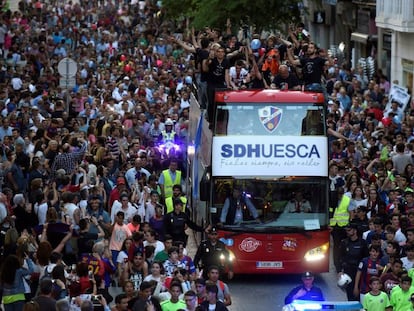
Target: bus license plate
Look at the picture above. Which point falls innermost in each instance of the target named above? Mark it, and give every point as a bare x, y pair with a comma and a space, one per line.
269, 264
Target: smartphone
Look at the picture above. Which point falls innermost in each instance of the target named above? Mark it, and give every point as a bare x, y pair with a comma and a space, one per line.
96, 297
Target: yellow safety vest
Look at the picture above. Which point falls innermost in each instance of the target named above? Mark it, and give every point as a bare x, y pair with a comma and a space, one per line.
170, 205
169, 183
168, 136
341, 215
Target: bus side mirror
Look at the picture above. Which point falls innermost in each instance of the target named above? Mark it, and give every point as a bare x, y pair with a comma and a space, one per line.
205, 185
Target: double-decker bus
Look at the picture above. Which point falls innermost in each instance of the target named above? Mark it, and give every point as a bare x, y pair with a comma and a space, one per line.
271, 145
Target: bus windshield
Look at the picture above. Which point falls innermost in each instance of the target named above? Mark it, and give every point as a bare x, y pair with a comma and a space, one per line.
280, 119
278, 205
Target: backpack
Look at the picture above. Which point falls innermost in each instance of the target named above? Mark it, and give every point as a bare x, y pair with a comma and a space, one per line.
221, 285
46, 274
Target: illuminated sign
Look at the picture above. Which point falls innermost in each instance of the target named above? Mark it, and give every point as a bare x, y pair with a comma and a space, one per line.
270, 156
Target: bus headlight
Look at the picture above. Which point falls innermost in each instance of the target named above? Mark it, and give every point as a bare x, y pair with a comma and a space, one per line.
231, 256
317, 253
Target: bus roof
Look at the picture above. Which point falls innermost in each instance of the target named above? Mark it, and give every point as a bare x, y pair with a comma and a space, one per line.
265, 96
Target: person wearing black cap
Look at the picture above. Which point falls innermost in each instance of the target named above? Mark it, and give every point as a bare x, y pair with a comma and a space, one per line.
306, 291
176, 222
361, 219
210, 253
351, 251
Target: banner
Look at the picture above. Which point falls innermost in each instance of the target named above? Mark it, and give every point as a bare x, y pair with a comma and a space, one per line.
270, 156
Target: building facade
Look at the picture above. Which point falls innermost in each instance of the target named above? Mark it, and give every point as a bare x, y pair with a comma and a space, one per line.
395, 22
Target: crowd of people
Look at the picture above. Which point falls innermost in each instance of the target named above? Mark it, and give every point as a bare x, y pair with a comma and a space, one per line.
84, 180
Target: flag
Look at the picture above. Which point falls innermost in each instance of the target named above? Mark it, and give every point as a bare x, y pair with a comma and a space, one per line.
197, 144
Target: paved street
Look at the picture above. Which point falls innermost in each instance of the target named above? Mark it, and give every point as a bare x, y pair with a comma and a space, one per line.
267, 292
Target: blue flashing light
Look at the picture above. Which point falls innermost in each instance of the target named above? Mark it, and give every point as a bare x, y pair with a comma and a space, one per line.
227, 242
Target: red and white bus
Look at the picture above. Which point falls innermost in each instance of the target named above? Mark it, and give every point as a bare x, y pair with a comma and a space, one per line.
273, 146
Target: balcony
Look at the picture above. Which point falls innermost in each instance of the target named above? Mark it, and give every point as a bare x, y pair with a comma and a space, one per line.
397, 15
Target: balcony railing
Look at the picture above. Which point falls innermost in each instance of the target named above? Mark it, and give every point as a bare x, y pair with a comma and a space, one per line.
397, 15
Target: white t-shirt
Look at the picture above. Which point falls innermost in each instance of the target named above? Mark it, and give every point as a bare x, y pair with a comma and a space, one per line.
70, 209
130, 212
149, 211
233, 75
400, 236
122, 257
159, 246
41, 211
407, 264
3, 212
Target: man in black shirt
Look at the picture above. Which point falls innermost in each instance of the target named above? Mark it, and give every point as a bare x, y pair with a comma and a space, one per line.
285, 80
312, 65
176, 222
213, 252
86, 239
217, 66
352, 250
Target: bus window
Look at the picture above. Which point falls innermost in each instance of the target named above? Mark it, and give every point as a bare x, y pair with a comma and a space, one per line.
278, 203
222, 120
312, 124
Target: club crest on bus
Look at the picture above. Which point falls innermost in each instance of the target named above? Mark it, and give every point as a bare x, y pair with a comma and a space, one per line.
270, 117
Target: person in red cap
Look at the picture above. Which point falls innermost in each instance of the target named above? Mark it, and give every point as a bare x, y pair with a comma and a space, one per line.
116, 192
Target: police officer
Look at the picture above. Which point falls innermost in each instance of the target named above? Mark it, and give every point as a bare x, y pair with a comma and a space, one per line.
213, 252
352, 249
168, 135
177, 194
338, 222
176, 222
306, 291
170, 177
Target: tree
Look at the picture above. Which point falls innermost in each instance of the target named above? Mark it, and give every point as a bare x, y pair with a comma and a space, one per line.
263, 14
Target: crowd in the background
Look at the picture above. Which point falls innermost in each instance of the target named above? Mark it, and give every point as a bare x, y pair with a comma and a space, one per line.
93, 166
81, 167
